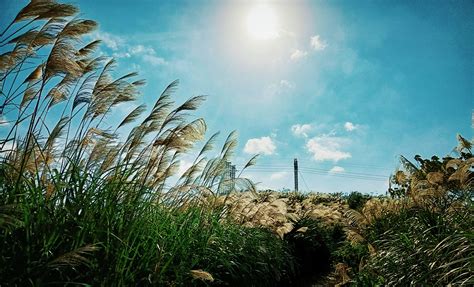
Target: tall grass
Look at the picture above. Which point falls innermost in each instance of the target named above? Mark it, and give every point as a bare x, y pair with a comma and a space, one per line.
424, 237
82, 202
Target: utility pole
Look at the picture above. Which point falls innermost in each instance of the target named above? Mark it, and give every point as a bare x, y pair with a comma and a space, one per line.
295, 167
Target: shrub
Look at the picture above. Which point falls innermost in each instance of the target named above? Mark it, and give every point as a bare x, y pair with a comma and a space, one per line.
248, 257
428, 241
423, 247
351, 254
356, 200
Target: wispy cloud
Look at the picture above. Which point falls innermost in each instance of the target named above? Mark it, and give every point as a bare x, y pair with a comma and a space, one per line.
263, 145
279, 175
348, 126
287, 84
298, 55
154, 60
184, 165
140, 49
146, 53
123, 50
113, 42
122, 55
328, 147
336, 169
317, 43
278, 88
301, 130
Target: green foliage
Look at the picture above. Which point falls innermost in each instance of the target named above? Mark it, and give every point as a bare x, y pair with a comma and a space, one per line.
351, 254
135, 243
293, 196
431, 249
429, 242
367, 279
248, 257
439, 182
356, 200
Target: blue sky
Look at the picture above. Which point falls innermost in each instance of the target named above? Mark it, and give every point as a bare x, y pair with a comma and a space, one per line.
344, 86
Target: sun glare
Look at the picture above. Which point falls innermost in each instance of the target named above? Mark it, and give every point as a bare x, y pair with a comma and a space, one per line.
262, 23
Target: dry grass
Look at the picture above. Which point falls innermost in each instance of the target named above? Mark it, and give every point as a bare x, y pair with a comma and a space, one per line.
279, 212
202, 275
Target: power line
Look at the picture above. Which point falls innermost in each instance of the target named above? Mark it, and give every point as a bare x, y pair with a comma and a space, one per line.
298, 170
304, 181
312, 166
346, 172
352, 163
327, 173
324, 172
319, 171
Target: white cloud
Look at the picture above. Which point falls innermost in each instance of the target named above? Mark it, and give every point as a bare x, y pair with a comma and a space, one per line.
263, 145
278, 88
140, 49
317, 43
111, 41
123, 50
279, 175
184, 165
154, 60
336, 169
327, 148
348, 126
301, 130
146, 53
298, 54
8, 147
287, 84
121, 55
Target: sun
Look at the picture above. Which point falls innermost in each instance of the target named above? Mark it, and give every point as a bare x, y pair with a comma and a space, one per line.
262, 23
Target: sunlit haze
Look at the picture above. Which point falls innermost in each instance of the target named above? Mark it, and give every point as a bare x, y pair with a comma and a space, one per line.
346, 87
262, 22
